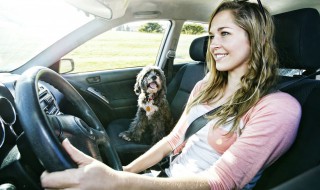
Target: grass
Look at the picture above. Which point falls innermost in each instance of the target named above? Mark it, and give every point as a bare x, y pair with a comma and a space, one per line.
119, 49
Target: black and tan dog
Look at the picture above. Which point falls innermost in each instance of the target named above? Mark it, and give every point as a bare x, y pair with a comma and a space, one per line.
153, 119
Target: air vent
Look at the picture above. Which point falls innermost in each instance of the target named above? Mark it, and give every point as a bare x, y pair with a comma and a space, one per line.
47, 102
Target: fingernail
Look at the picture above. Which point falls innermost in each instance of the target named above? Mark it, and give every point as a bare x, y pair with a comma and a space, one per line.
66, 140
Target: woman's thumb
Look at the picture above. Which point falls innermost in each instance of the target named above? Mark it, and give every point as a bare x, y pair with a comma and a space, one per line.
79, 157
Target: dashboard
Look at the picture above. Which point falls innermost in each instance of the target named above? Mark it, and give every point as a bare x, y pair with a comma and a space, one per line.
16, 157
10, 128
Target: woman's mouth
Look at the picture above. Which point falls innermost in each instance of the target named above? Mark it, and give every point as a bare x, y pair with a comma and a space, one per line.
219, 56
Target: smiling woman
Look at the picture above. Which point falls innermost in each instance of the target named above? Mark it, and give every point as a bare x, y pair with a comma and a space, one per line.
28, 27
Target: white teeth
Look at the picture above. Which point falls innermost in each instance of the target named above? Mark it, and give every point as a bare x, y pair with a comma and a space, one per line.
218, 56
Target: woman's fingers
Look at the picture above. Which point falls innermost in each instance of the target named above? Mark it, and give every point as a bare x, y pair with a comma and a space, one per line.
66, 178
91, 174
59, 180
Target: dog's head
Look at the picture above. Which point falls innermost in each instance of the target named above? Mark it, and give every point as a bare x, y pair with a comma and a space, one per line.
150, 80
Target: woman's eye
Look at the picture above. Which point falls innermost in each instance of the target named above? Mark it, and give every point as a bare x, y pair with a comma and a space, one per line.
211, 37
224, 33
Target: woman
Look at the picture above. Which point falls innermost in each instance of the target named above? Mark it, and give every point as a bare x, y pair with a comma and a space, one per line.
232, 150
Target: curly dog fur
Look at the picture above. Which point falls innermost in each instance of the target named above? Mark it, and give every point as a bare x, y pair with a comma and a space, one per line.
153, 119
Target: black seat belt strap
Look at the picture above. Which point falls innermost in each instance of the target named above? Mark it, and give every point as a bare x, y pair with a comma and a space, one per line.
198, 123
194, 127
169, 64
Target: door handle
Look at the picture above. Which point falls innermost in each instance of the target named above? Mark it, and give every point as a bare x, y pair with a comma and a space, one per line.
95, 79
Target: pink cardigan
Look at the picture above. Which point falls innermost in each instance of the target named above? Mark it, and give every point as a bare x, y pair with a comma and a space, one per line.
270, 128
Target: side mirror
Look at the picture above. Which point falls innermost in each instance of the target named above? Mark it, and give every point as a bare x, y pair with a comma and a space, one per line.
66, 66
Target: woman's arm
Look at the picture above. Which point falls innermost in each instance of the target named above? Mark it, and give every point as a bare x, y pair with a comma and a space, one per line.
270, 129
140, 182
150, 158
93, 174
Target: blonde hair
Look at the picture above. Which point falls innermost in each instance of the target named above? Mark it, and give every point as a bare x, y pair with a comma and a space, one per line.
261, 75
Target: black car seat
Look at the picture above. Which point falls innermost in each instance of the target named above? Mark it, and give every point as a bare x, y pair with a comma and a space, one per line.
298, 40
178, 92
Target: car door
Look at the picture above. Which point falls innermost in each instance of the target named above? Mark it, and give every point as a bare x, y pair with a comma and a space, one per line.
105, 67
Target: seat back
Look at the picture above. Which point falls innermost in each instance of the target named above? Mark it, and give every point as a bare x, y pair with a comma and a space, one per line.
178, 92
297, 39
179, 88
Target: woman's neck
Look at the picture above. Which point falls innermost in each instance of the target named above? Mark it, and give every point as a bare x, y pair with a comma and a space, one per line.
234, 83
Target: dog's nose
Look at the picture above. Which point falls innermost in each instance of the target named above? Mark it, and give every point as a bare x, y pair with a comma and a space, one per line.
154, 77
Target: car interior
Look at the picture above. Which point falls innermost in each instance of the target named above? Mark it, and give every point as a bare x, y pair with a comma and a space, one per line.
106, 100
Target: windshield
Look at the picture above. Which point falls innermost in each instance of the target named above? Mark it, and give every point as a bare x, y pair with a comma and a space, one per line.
27, 27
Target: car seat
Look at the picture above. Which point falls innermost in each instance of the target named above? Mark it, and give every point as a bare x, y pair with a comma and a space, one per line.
297, 40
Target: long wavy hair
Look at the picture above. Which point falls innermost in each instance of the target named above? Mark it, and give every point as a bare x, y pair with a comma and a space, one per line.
261, 75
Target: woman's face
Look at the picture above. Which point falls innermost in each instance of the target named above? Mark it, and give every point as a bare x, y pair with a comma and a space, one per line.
230, 46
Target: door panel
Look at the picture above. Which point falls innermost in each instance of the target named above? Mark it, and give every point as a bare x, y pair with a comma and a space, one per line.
109, 93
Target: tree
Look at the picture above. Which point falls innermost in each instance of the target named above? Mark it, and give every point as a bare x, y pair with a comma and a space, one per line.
151, 27
192, 29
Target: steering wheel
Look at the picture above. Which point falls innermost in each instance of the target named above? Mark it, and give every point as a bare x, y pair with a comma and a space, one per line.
45, 132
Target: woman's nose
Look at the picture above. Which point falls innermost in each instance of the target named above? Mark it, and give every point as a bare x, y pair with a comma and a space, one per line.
215, 42
214, 45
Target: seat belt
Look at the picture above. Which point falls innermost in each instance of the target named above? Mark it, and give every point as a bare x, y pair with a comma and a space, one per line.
169, 64
198, 124
194, 127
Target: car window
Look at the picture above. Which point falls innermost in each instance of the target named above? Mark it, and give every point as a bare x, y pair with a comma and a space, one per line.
29, 27
189, 32
133, 44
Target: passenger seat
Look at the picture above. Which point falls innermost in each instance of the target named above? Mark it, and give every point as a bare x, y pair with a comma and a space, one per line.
178, 92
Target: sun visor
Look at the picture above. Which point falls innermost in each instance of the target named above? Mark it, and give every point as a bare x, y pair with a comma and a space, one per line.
107, 9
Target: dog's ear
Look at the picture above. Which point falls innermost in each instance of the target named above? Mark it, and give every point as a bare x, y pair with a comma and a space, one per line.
137, 88
137, 85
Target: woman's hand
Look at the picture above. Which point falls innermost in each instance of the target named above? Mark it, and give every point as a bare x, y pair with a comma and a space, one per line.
91, 173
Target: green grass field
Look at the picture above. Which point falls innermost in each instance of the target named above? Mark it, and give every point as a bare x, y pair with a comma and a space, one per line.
118, 49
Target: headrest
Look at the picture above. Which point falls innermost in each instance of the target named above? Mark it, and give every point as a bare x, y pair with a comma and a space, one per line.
297, 38
198, 48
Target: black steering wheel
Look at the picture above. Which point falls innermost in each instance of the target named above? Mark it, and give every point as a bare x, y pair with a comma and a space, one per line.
45, 132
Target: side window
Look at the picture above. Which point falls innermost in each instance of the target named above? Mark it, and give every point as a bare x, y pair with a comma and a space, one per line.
190, 31
130, 45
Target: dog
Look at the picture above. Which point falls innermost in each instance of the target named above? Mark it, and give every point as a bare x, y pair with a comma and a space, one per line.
153, 119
